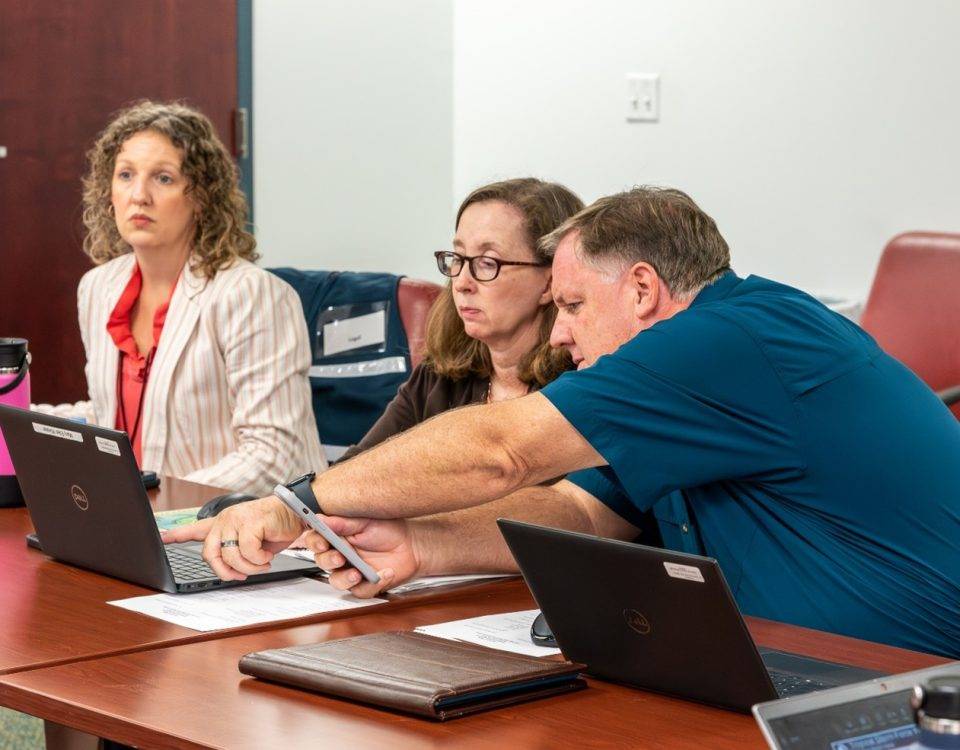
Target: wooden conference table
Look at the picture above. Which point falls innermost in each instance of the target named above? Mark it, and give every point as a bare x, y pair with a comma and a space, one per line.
68, 657
192, 696
51, 613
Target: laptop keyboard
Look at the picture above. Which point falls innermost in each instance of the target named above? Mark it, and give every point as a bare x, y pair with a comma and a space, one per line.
187, 565
788, 684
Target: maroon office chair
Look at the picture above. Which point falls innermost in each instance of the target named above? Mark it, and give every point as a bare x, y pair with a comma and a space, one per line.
414, 298
913, 310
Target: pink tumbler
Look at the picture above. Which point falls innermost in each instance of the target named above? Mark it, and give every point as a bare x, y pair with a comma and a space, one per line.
14, 391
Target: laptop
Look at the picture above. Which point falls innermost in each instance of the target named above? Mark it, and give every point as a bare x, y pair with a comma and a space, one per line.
86, 498
875, 714
658, 620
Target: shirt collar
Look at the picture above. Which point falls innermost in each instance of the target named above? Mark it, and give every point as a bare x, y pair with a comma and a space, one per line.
119, 324
719, 289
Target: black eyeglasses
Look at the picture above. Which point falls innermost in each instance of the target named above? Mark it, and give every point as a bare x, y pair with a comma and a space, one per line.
482, 267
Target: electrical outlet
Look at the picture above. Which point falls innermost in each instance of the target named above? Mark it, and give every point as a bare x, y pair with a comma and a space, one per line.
643, 97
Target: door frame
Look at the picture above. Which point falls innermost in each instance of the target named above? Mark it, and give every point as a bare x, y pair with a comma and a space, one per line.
245, 100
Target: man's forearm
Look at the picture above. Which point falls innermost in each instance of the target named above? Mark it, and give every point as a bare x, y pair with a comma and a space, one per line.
469, 541
456, 460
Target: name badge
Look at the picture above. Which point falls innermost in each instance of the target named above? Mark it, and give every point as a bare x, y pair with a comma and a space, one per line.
349, 330
354, 333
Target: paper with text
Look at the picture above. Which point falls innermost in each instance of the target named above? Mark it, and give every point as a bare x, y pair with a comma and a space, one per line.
507, 632
245, 605
434, 582
415, 584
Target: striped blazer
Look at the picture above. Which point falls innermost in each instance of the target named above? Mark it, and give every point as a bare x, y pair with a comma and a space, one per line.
227, 402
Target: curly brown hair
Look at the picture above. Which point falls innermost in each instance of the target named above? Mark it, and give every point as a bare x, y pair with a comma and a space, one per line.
212, 182
450, 352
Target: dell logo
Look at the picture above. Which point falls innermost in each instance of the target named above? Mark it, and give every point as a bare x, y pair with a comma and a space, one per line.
636, 621
79, 497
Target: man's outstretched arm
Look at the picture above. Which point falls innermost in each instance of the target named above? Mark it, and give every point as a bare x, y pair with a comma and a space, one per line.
464, 541
456, 460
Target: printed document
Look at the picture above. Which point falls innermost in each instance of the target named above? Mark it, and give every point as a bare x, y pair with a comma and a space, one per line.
245, 605
416, 584
432, 582
508, 632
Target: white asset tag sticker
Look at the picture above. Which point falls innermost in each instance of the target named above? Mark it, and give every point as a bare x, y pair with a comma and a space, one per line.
353, 333
686, 572
57, 432
108, 446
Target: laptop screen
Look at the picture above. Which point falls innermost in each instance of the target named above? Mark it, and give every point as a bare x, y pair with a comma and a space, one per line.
884, 722
871, 715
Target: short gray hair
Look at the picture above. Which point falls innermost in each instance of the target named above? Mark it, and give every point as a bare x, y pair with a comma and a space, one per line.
655, 225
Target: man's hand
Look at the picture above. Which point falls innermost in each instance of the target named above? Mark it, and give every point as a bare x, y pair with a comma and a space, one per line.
389, 546
255, 532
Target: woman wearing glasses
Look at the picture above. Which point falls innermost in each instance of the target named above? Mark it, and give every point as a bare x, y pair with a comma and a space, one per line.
488, 333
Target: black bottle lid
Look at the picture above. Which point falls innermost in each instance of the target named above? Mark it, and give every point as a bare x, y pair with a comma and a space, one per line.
939, 698
12, 352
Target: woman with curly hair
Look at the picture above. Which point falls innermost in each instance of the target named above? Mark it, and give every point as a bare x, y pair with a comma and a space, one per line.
198, 354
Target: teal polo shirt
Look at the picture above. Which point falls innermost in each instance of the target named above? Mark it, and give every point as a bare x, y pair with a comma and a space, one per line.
821, 473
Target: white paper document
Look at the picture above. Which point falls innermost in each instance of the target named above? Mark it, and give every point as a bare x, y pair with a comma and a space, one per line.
432, 582
245, 605
299, 553
508, 632
416, 584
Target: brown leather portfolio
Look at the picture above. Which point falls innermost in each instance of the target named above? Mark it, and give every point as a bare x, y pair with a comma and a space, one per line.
417, 673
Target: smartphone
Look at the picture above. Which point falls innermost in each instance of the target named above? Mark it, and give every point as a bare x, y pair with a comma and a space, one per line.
337, 542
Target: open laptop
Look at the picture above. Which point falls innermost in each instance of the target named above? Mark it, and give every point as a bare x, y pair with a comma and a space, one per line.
658, 620
875, 714
86, 498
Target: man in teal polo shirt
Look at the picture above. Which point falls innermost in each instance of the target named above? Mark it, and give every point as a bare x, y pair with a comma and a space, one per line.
820, 472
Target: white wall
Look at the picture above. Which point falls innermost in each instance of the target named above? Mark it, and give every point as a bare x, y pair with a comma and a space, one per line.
812, 131
352, 133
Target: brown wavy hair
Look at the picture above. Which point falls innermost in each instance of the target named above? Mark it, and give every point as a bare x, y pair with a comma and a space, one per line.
212, 182
449, 350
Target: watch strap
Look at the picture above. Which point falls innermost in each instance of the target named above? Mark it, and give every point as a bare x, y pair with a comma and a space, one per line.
304, 492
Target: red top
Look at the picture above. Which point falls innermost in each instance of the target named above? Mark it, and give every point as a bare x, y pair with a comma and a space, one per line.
134, 367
